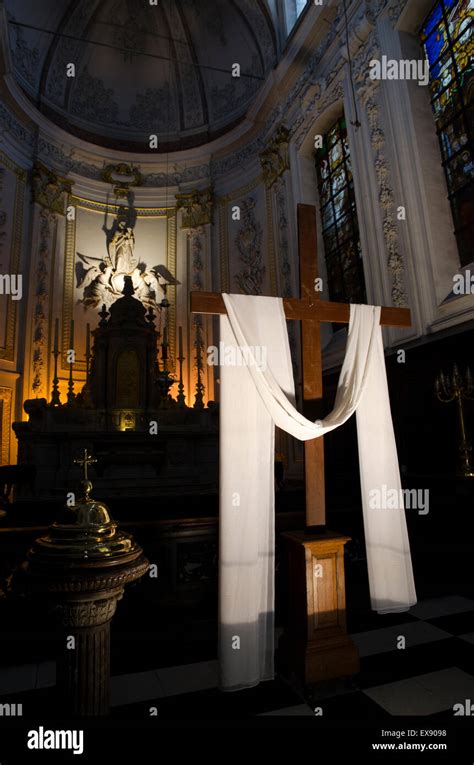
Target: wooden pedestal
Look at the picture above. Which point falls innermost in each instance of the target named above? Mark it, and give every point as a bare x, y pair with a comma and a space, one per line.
315, 645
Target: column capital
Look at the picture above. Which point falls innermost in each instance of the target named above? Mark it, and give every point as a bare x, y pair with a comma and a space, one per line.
49, 189
275, 158
197, 207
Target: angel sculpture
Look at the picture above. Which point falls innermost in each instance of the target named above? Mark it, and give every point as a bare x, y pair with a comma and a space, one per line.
152, 285
102, 280
93, 277
159, 278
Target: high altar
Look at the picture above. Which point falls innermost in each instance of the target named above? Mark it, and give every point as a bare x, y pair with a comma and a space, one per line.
146, 442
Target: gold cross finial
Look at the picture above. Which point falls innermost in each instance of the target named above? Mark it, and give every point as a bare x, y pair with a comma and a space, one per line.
85, 461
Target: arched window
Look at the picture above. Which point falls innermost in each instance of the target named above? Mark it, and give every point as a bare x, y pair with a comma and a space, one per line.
300, 4
447, 37
292, 10
340, 227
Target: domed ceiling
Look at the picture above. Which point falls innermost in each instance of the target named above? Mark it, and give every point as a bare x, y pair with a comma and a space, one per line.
142, 69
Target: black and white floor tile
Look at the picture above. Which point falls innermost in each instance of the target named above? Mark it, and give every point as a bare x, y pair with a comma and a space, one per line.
433, 672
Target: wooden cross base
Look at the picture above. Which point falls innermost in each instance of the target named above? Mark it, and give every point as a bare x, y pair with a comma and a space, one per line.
315, 645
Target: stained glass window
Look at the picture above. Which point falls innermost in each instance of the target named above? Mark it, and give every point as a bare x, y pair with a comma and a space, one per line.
447, 37
339, 217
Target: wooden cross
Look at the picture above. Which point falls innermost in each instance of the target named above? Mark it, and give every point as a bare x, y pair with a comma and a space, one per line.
311, 311
85, 461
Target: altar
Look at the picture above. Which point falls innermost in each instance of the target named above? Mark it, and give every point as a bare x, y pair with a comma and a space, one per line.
146, 442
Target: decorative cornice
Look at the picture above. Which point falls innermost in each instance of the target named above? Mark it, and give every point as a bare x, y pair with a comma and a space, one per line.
20, 173
275, 158
123, 177
50, 190
141, 212
197, 207
10, 124
241, 192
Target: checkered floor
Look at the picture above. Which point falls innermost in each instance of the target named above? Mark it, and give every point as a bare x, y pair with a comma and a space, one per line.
433, 672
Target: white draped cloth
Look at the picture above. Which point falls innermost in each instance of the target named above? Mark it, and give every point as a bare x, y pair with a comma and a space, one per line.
255, 397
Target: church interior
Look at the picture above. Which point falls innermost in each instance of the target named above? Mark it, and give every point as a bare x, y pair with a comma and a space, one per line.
153, 151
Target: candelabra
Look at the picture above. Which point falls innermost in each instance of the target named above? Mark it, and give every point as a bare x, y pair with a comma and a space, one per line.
164, 348
55, 397
165, 380
164, 306
86, 392
459, 388
198, 344
181, 398
71, 396
88, 351
198, 398
163, 331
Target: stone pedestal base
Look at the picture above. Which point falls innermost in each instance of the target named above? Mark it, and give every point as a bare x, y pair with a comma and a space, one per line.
315, 645
83, 667
84, 604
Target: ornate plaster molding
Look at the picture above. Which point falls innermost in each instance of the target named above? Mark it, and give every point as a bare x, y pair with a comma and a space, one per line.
396, 9
393, 7
387, 202
50, 190
283, 241
123, 177
46, 245
365, 86
248, 241
197, 207
323, 98
275, 159
87, 613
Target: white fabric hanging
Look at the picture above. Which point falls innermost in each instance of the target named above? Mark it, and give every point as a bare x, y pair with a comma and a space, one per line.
253, 400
